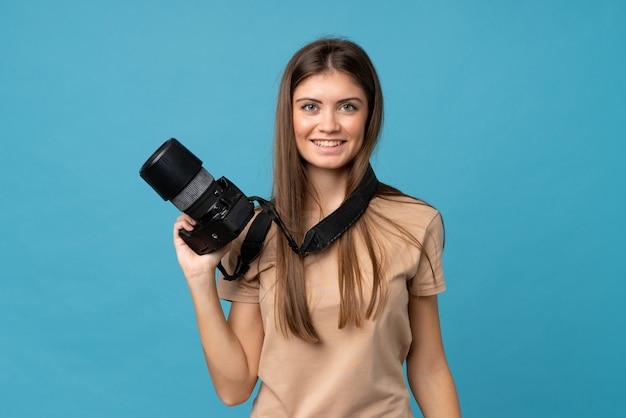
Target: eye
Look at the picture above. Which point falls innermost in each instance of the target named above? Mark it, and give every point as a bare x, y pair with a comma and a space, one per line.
348, 107
309, 107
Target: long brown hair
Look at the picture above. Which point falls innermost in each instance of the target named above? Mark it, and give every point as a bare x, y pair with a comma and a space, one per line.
291, 191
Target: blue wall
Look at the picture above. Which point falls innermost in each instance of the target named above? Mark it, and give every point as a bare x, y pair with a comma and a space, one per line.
509, 117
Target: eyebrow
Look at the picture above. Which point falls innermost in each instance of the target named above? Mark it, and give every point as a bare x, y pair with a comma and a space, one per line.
310, 99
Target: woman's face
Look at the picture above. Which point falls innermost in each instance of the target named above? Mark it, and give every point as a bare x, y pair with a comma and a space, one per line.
329, 116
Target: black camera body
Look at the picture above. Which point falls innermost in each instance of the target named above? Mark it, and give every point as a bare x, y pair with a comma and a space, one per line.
228, 212
220, 208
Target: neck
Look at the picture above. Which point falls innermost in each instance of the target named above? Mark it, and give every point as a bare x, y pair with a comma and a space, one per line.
328, 189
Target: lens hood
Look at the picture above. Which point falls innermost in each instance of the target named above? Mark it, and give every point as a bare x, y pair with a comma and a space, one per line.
170, 168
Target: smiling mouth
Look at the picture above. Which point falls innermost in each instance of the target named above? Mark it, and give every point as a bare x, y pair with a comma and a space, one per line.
328, 144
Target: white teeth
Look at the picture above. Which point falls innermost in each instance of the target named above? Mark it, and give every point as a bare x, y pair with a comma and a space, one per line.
327, 143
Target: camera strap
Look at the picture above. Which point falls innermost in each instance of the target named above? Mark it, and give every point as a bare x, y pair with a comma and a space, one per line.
317, 238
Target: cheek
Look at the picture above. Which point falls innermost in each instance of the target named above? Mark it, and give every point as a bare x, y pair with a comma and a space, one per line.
301, 128
357, 128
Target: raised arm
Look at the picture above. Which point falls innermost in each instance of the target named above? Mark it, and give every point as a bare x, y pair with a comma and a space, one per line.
232, 347
427, 368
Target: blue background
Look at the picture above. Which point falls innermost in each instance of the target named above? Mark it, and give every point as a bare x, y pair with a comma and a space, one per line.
510, 117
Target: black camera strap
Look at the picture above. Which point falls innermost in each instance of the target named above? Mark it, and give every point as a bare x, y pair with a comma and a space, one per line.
251, 246
317, 238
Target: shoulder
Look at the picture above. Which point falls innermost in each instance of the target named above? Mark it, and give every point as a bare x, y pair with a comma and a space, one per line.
405, 209
393, 211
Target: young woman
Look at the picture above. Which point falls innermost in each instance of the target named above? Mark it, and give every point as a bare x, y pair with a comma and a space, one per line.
328, 332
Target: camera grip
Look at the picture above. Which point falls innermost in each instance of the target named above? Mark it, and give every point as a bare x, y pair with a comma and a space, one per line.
200, 240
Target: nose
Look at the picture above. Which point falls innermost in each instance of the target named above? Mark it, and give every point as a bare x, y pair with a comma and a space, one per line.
328, 121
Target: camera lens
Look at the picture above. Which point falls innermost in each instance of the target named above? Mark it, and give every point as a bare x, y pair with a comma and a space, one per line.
176, 174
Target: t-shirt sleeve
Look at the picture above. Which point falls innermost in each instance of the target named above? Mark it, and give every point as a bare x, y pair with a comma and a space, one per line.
238, 290
429, 279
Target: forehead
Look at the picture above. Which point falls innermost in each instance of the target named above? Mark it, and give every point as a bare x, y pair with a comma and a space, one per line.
329, 84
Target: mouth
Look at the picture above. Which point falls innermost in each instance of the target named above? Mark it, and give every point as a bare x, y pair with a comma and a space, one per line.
327, 143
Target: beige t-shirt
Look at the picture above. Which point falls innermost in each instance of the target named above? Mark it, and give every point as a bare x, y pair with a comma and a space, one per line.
354, 371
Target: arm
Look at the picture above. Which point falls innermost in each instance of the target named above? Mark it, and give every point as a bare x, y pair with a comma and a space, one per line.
231, 348
427, 368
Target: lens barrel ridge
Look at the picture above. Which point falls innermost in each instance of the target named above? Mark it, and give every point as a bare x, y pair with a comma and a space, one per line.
196, 187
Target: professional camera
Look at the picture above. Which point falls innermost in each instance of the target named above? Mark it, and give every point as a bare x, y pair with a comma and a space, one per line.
220, 208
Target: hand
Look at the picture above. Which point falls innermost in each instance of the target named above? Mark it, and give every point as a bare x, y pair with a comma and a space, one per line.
198, 269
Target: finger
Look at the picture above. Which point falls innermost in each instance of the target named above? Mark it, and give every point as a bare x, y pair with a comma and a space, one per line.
187, 218
185, 222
